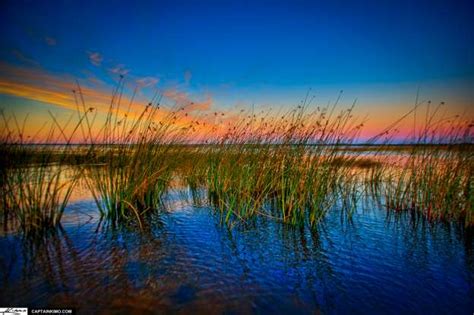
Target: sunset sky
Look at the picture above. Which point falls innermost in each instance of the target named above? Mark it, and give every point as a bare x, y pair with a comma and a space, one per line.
226, 56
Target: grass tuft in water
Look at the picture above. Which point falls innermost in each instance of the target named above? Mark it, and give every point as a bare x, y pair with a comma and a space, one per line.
35, 188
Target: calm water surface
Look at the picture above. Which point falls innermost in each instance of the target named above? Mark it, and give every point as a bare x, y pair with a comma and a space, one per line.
187, 262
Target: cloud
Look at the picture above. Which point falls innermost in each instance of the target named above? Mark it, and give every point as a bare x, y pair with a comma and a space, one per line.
57, 89
50, 41
119, 69
39, 85
183, 99
95, 80
187, 76
147, 82
95, 58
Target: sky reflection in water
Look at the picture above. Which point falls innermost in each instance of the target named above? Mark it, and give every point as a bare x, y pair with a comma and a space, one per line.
186, 261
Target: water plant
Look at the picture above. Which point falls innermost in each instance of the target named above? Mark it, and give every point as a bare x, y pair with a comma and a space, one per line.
130, 160
288, 166
434, 175
34, 187
293, 166
438, 183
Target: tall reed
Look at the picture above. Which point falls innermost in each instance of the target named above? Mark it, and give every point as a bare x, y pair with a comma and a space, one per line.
293, 166
34, 187
134, 160
434, 174
286, 166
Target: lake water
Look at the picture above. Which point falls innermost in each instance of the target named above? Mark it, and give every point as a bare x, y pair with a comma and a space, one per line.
187, 262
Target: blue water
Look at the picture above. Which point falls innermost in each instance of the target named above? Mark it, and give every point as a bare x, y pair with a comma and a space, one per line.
187, 262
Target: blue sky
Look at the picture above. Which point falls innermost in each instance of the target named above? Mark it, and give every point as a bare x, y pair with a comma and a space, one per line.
248, 52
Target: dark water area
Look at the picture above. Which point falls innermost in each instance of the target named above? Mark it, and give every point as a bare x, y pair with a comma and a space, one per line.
187, 262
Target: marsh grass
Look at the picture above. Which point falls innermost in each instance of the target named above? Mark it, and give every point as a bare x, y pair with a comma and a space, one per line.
436, 183
132, 161
434, 176
35, 189
293, 167
288, 167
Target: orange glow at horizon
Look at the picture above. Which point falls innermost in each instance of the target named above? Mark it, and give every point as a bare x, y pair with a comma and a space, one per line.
200, 121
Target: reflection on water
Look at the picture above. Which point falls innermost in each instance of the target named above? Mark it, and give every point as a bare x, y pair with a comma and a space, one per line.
185, 261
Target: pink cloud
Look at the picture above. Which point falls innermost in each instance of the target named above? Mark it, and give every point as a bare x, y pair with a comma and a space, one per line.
147, 81
95, 58
183, 99
61, 90
119, 69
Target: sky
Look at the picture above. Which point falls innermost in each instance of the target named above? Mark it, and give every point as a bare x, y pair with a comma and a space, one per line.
225, 55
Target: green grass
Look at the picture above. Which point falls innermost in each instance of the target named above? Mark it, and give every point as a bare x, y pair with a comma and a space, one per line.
292, 167
35, 188
433, 179
287, 167
438, 183
131, 161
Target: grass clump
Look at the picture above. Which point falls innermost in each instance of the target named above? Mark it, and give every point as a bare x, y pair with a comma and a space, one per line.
288, 166
132, 161
293, 167
434, 176
34, 187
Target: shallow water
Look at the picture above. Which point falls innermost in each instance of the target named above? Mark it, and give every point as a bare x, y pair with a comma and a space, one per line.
187, 262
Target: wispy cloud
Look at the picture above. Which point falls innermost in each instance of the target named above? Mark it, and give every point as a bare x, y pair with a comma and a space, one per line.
119, 69
40, 85
147, 82
57, 89
95, 58
183, 99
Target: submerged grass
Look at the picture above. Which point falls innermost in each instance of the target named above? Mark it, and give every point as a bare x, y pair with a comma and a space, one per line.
434, 176
35, 189
131, 161
293, 167
287, 167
